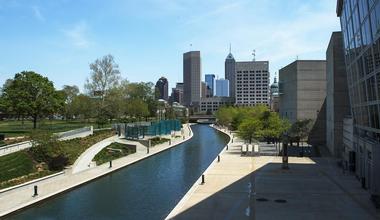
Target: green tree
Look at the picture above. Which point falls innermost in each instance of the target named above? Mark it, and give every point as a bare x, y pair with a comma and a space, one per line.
104, 76
30, 94
70, 93
300, 130
114, 103
83, 106
249, 129
145, 92
137, 108
225, 116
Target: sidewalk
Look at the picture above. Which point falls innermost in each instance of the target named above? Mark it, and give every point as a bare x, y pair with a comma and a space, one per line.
257, 188
13, 200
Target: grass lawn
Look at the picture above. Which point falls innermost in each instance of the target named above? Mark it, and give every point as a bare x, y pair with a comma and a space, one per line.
17, 168
15, 165
113, 152
21, 167
75, 147
13, 128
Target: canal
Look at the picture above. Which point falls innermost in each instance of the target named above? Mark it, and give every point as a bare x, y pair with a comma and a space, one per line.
146, 190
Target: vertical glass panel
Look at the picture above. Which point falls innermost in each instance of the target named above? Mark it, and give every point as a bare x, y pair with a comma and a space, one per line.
363, 92
378, 83
365, 116
368, 61
373, 23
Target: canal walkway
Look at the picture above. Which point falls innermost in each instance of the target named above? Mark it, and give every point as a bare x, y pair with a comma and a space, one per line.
21, 197
248, 187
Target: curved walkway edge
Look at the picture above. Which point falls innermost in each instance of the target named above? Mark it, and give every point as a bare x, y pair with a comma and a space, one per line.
22, 197
180, 205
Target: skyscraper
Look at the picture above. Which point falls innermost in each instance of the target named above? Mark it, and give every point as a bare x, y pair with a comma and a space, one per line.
360, 27
229, 72
177, 94
192, 78
162, 86
222, 88
210, 82
252, 83
203, 90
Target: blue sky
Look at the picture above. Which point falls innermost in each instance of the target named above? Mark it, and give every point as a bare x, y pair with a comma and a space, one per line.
60, 38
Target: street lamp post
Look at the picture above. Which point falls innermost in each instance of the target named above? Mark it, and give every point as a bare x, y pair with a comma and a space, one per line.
285, 162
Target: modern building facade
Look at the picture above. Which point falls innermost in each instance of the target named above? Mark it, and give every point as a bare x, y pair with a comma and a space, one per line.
302, 86
204, 90
360, 23
192, 78
302, 89
177, 94
162, 88
210, 83
274, 96
212, 104
337, 102
252, 83
222, 88
229, 73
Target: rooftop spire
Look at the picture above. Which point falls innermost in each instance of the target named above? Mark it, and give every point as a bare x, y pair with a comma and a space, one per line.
275, 77
230, 56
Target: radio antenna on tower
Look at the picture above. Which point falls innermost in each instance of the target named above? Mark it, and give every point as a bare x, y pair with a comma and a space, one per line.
254, 55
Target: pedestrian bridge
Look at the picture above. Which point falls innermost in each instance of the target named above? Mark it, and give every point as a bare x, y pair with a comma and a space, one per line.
202, 119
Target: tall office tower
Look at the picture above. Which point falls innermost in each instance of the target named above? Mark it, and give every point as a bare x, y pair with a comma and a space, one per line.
229, 72
162, 86
177, 93
337, 102
303, 94
203, 90
252, 83
360, 27
192, 78
210, 82
222, 88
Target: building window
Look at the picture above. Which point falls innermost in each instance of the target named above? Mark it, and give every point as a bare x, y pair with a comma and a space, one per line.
374, 115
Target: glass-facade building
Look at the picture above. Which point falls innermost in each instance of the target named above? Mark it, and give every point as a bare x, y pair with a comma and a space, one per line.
360, 23
210, 83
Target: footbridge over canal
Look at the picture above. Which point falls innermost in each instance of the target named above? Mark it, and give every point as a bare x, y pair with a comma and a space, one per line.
202, 119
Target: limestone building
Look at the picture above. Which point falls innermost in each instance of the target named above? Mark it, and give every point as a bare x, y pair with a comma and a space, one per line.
337, 102
302, 96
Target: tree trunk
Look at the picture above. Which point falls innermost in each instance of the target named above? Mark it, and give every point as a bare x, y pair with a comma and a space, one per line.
34, 122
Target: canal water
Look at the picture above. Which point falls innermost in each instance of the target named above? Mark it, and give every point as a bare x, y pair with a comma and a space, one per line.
146, 190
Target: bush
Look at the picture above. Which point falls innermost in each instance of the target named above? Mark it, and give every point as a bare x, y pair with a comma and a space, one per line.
58, 163
158, 140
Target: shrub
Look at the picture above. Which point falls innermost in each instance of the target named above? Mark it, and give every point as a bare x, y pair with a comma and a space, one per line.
58, 163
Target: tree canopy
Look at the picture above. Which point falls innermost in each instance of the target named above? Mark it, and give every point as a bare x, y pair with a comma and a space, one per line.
253, 122
30, 94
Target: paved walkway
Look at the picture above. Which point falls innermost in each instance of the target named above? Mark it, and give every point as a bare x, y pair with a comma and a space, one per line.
240, 187
13, 200
84, 161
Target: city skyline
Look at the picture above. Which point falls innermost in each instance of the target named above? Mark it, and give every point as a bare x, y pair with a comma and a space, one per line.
61, 48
